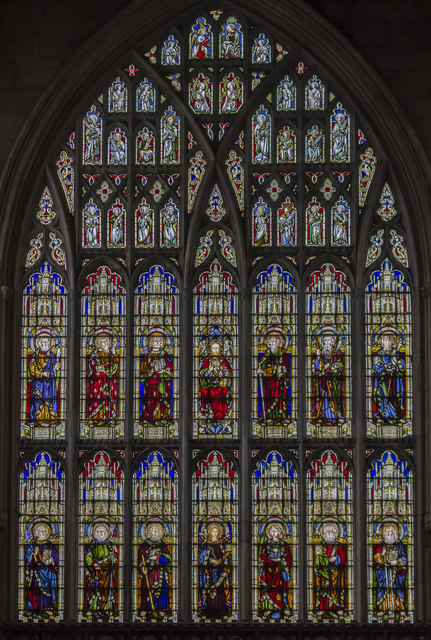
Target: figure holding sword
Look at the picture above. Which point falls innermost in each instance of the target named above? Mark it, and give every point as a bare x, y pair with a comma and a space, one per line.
328, 383
155, 571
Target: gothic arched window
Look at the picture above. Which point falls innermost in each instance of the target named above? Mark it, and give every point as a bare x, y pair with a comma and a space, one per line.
216, 362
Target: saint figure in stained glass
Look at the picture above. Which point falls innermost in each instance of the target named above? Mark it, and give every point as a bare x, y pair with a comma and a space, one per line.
91, 225
328, 381
261, 130
314, 145
274, 372
340, 135
155, 573
170, 129
144, 225
200, 94
261, 224
117, 147
102, 377
275, 566
340, 217
214, 571
156, 379
92, 129
145, 148
215, 386
314, 94
286, 224
44, 367
169, 232
231, 39
330, 572
286, 95
171, 52
390, 572
230, 94
101, 572
201, 40
286, 143
261, 52
145, 97
41, 570
389, 368
117, 97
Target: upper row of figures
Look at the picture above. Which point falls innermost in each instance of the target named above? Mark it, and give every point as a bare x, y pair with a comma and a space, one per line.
231, 94
261, 133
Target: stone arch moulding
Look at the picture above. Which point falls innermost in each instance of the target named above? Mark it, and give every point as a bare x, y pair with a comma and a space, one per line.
138, 22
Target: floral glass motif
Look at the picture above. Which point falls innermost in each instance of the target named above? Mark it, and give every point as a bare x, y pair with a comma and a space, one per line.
314, 145
340, 135
274, 190
204, 249
328, 354
390, 539
261, 52
286, 224
43, 359
275, 539
286, 145
155, 537
387, 210
58, 253
91, 225
66, 175
330, 539
215, 210
235, 171
170, 52
145, 97
215, 331
117, 97
340, 223
201, 94
144, 225
201, 40
215, 539
170, 137
314, 94
145, 147
286, 95
156, 355
117, 147
35, 252
367, 169
274, 354
375, 248
101, 540
261, 220
261, 136
231, 39
92, 137
116, 225
398, 247
103, 311
389, 354
231, 94
197, 166
46, 213
315, 224
41, 538
169, 225
226, 245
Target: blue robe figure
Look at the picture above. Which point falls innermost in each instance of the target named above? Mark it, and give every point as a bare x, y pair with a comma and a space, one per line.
390, 575
44, 381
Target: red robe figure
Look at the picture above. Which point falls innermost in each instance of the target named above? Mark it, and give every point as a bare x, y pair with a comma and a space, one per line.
275, 565
102, 378
215, 388
155, 574
156, 381
328, 381
330, 564
274, 381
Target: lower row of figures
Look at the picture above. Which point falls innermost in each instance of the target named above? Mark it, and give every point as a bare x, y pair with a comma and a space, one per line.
275, 571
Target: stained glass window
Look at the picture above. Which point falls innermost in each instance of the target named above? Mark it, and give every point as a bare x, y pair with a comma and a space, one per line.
215, 354
101, 538
41, 538
330, 538
390, 538
155, 535
103, 311
43, 368
228, 214
275, 539
215, 535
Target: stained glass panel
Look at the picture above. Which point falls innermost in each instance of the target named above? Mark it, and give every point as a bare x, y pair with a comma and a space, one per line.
215, 354
286, 95
215, 556
314, 145
330, 539
144, 225
155, 535
43, 361
103, 310
275, 539
201, 94
145, 97
145, 147
286, 145
286, 224
389, 353
340, 135
41, 539
201, 40
101, 539
340, 223
117, 97
314, 94
390, 539
231, 39
261, 136
328, 354
231, 94
170, 137
261, 217
91, 225
92, 137
274, 354
156, 355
